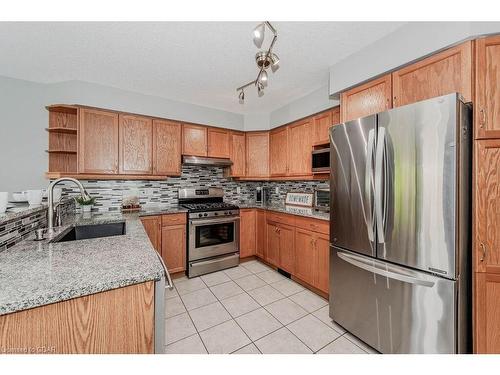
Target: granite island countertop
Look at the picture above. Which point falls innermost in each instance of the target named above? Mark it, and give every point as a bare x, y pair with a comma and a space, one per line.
293, 210
35, 273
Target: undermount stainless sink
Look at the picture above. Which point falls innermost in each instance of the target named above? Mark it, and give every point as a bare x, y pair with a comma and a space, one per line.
84, 232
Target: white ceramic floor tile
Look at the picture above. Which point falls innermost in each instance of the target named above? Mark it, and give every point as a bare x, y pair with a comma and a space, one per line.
215, 278
198, 298
178, 327
271, 276
189, 345
281, 342
313, 332
209, 316
255, 266
237, 272
341, 346
286, 311
240, 304
265, 295
189, 285
171, 293
249, 349
250, 282
226, 290
224, 338
287, 287
367, 348
173, 307
258, 323
323, 314
309, 301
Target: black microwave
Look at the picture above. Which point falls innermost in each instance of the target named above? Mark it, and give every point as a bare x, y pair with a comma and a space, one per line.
321, 160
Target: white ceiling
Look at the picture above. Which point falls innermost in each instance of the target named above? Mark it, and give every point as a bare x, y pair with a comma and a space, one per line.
194, 62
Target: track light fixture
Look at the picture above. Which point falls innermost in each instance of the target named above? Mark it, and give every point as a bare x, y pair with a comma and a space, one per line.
264, 59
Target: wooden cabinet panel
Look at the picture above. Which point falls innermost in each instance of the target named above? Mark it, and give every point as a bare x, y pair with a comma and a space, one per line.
97, 142
286, 234
167, 148
315, 225
257, 150
218, 143
487, 98
173, 247
304, 255
173, 219
152, 225
322, 248
487, 313
487, 206
237, 152
273, 244
322, 123
300, 148
367, 99
278, 152
261, 234
281, 218
248, 225
136, 145
194, 140
443, 73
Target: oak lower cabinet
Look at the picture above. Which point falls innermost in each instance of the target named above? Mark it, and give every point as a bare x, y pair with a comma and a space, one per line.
286, 235
167, 147
273, 244
487, 313
218, 143
322, 247
248, 224
152, 226
136, 145
194, 140
278, 152
257, 154
261, 234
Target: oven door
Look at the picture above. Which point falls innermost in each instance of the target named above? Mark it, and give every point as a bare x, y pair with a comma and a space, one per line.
213, 237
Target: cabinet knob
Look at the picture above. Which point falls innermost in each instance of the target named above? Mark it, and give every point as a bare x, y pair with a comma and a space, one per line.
483, 249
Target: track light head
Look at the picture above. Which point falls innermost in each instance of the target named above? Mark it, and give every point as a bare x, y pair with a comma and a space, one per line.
241, 97
258, 34
260, 89
263, 78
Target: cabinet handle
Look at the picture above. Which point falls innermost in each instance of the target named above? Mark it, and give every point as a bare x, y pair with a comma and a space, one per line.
394, 101
387, 103
483, 248
482, 120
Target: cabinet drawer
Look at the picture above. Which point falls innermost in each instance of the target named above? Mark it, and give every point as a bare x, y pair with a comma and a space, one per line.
173, 219
280, 218
314, 225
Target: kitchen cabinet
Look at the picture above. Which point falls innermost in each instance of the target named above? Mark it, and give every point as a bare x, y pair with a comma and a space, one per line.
237, 150
300, 148
136, 145
278, 152
218, 143
442, 73
261, 238
487, 313
322, 123
97, 142
322, 247
304, 255
257, 151
173, 247
167, 144
487, 95
194, 140
286, 235
152, 226
273, 244
367, 99
248, 224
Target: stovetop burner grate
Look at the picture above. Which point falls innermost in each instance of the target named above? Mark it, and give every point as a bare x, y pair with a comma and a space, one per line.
213, 206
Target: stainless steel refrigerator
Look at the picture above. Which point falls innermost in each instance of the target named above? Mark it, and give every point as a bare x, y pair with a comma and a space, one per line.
400, 227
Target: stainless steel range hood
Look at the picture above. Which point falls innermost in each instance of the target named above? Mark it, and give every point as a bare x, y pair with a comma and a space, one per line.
200, 160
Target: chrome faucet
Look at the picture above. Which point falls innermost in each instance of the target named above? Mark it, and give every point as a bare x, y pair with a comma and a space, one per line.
50, 220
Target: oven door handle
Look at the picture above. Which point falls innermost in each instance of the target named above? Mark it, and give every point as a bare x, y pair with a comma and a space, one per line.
197, 222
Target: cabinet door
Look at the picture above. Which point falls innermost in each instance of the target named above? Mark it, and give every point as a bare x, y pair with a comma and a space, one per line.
487, 104
273, 244
194, 140
136, 145
367, 99
487, 313
218, 143
322, 124
322, 249
287, 247
440, 74
237, 154
305, 257
487, 206
166, 148
300, 148
278, 152
97, 142
173, 247
247, 232
257, 154
261, 234
152, 225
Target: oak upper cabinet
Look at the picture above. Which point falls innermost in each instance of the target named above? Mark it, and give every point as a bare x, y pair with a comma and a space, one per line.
304, 255
218, 143
278, 151
194, 140
257, 150
167, 144
322, 248
152, 225
322, 123
440, 74
300, 148
370, 98
136, 145
273, 244
487, 313
248, 224
487, 206
261, 235
237, 151
286, 235
173, 247
487, 97
97, 141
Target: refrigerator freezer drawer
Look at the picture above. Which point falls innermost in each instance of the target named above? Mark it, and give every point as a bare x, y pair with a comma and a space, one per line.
391, 308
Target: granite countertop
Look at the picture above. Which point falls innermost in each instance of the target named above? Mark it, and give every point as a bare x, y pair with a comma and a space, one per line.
39, 273
293, 210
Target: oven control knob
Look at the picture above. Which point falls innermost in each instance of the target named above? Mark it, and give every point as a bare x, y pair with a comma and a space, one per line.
216, 213
227, 213
200, 215
205, 214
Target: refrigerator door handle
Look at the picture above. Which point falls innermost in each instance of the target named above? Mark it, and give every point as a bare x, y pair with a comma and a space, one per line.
380, 185
369, 185
384, 269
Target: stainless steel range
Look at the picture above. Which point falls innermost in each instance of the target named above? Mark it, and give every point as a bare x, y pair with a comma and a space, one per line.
213, 231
